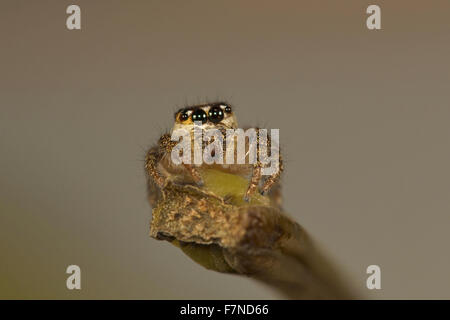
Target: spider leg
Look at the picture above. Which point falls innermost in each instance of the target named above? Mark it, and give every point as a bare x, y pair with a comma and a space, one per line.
256, 174
254, 182
194, 174
165, 146
272, 179
151, 163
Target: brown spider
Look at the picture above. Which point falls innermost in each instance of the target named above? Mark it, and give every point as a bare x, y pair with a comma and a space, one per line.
160, 168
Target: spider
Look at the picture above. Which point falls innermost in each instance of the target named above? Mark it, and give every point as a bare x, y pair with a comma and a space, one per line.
219, 115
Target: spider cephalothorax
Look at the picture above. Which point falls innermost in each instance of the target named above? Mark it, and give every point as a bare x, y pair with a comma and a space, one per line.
218, 115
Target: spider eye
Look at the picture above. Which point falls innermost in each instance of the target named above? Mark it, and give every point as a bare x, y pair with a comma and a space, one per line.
215, 114
184, 116
227, 109
199, 115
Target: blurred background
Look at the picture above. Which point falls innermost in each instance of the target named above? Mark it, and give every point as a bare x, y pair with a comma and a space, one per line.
363, 118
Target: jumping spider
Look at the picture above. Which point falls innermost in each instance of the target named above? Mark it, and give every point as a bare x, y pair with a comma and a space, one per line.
160, 169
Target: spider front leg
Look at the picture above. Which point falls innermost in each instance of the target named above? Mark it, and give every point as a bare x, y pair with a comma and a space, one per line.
156, 154
273, 178
256, 178
193, 172
254, 182
257, 174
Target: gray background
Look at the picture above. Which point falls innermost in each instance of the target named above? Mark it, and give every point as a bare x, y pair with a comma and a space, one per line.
363, 118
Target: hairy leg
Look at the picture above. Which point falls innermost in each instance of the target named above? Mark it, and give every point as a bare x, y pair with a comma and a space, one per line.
274, 178
151, 163
194, 174
254, 182
256, 174
154, 156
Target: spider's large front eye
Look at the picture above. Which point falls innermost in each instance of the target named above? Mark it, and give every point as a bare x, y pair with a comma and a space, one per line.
199, 115
215, 114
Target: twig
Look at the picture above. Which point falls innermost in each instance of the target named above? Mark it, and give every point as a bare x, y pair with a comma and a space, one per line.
214, 227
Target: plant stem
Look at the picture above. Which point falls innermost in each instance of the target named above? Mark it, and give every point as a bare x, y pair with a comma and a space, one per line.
214, 227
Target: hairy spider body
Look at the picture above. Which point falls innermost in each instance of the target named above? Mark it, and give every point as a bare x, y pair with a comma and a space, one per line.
161, 169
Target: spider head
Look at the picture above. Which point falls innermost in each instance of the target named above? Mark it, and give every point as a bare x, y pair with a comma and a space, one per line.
213, 115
